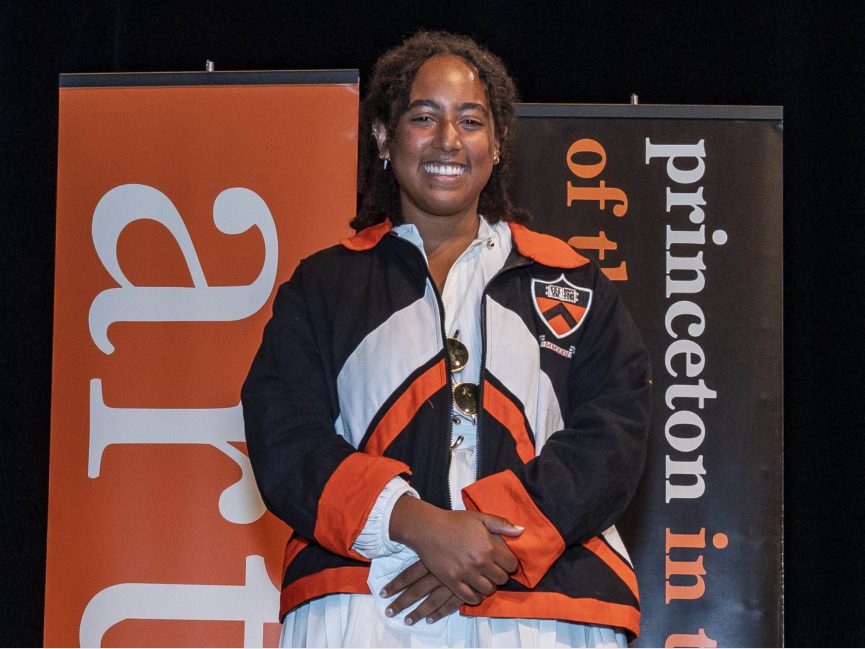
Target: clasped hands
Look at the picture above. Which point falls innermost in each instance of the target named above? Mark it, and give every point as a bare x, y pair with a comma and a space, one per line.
462, 558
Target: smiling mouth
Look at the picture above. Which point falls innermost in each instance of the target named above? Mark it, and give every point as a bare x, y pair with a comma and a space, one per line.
444, 169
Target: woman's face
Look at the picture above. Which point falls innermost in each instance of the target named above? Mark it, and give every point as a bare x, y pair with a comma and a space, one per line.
443, 146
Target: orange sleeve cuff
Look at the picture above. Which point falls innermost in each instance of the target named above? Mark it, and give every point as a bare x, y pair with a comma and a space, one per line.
348, 497
538, 547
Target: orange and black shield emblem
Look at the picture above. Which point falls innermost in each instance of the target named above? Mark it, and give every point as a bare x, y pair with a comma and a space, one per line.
561, 305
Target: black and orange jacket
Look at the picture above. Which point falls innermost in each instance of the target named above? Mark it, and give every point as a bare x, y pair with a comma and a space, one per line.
351, 387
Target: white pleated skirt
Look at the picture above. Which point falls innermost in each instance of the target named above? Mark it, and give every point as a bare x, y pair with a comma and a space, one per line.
355, 621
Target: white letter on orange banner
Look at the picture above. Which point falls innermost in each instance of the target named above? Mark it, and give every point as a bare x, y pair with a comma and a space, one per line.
218, 427
254, 604
235, 210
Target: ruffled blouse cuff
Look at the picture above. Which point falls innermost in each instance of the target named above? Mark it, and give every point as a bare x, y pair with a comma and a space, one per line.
374, 539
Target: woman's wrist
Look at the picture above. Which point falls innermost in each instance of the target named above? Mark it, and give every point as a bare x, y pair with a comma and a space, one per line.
407, 519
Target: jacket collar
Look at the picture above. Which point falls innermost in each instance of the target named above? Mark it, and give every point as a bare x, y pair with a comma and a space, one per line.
545, 249
542, 248
368, 238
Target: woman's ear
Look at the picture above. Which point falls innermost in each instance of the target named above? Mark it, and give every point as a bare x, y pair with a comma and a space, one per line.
379, 132
497, 146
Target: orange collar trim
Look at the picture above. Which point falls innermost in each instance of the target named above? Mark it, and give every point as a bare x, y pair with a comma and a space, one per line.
545, 249
367, 238
542, 248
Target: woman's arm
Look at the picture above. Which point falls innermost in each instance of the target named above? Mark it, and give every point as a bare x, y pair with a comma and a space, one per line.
586, 473
309, 476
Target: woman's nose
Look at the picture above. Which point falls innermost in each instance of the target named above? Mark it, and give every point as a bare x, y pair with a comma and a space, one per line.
447, 136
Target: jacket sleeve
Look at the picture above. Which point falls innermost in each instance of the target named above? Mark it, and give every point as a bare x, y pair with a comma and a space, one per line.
586, 473
308, 475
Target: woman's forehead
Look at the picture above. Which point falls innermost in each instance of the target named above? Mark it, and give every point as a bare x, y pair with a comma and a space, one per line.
448, 75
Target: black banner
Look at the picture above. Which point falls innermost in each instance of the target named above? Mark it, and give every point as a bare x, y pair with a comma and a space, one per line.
682, 208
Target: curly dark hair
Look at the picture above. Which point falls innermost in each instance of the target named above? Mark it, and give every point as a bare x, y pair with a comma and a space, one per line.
387, 98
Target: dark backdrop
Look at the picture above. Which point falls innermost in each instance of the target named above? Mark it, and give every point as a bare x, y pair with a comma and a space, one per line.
807, 57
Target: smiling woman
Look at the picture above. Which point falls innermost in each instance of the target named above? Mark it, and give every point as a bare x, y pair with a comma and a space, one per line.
387, 99
417, 350
444, 144
442, 152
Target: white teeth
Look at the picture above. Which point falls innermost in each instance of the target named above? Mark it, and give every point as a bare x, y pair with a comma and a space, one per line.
444, 170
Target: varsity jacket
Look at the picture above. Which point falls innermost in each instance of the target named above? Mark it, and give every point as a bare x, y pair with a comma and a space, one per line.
352, 386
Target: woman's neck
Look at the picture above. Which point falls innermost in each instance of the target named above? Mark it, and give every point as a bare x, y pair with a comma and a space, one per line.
444, 240
446, 231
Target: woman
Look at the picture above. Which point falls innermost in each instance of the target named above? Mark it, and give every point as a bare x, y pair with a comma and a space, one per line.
448, 385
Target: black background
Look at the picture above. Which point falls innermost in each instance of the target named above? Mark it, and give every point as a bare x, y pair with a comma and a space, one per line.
807, 57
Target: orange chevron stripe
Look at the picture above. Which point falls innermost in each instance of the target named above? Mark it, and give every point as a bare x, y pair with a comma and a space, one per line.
559, 325
575, 310
547, 303
405, 408
615, 562
508, 415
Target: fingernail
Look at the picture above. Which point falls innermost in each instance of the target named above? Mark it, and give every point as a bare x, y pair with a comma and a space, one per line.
383, 593
520, 528
389, 612
409, 621
429, 620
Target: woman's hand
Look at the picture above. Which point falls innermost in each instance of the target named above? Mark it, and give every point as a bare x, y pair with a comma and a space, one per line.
416, 583
460, 548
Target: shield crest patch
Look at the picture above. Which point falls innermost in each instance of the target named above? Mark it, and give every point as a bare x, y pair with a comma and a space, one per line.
561, 305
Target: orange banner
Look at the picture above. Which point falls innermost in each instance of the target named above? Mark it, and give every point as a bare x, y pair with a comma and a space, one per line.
183, 202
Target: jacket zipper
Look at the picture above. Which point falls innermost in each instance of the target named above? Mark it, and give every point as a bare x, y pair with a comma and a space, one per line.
450, 413
524, 261
504, 269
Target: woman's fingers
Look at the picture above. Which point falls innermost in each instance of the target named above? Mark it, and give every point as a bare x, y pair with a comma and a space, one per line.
436, 599
500, 526
505, 559
417, 591
405, 579
497, 575
416, 582
483, 585
452, 604
468, 594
